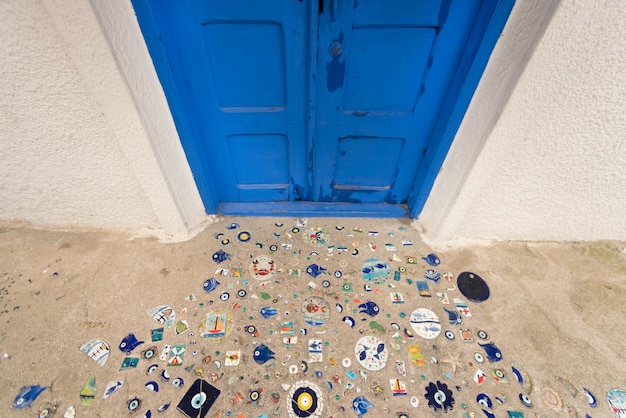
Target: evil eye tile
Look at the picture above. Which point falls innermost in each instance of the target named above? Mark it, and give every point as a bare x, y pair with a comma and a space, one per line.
178, 382
152, 368
338, 274
152, 386
198, 400
165, 376
164, 407
590, 398
224, 296
349, 320
254, 395
525, 400
482, 334
148, 353
449, 335
479, 357
242, 293
243, 236
273, 247
46, 410
326, 283
133, 405
484, 400
295, 230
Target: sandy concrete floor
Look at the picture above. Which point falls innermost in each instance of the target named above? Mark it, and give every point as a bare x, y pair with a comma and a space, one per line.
558, 310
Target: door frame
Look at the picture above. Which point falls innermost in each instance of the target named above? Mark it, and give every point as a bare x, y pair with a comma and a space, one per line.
523, 31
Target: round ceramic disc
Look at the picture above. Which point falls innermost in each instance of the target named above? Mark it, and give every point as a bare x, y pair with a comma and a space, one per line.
262, 267
473, 287
243, 236
375, 271
371, 353
305, 400
315, 310
425, 323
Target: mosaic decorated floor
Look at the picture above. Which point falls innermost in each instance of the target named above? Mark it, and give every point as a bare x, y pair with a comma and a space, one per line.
261, 317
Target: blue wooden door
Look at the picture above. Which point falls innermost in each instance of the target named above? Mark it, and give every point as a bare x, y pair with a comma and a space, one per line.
385, 71
234, 73
339, 101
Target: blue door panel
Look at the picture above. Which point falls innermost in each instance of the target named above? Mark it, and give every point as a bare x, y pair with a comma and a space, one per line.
352, 102
357, 162
374, 70
244, 56
233, 70
387, 74
268, 151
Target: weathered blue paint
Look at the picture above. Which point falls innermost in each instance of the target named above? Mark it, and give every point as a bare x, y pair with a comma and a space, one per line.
490, 22
335, 71
235, 78
400, 62
336, 67
276, 102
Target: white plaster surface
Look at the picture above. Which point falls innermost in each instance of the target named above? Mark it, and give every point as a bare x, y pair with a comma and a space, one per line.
74, 152
88, 141
553, 166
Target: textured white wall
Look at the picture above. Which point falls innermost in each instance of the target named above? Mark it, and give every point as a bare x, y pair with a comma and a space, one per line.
87, 140
553, 168
73, 150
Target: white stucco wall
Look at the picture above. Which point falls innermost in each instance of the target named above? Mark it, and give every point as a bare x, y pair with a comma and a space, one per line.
87, 138
73, 149
553, 168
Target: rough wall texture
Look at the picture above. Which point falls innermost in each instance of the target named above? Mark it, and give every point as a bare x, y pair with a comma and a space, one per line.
553, 167
74, 152
79, 148
59, 165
